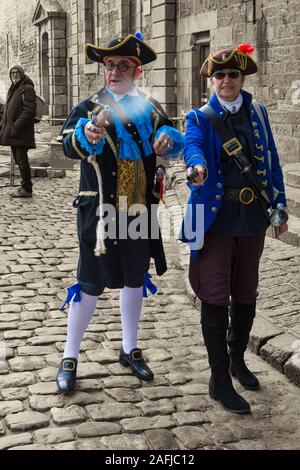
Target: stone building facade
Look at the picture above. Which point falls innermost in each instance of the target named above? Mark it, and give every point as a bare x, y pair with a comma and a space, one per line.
47, 38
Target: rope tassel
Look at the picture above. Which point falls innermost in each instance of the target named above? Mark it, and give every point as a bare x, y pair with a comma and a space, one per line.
100, 248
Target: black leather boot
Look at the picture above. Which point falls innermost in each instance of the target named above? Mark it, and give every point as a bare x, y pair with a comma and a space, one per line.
66, 375
214, 320
136, 361
242, 316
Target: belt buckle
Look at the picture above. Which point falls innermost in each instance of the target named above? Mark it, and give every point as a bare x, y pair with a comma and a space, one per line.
232, 147
246, 190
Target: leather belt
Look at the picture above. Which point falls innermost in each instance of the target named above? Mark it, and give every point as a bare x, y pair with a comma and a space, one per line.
244, 195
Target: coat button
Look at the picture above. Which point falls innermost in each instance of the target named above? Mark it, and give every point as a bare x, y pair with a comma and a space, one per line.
113, 173
129, 125
218, 197
219, 185
111, 196
115, 242
214, 209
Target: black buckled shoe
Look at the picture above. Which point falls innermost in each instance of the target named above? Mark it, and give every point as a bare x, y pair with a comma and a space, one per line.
246, 378
66, 375
138, 366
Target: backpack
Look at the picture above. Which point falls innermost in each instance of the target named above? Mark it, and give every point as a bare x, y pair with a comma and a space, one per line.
40, 108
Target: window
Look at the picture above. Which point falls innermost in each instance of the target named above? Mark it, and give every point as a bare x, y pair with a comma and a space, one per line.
200, 52
90, 23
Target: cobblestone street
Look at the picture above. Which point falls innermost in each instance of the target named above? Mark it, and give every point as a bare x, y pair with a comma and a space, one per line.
111, 409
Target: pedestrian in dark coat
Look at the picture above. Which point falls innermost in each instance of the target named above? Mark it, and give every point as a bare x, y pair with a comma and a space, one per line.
17, 125
117, 146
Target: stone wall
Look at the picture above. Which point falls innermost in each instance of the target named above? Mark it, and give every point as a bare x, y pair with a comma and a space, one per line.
177, 30
274, 29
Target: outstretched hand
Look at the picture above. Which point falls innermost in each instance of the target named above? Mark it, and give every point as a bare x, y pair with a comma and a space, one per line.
281, 229
198, 180
163, 144
93, 133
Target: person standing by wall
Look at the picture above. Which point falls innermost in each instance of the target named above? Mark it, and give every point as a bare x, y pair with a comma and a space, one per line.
17, 125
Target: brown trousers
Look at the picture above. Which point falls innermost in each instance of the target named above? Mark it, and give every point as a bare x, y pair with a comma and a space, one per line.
227, 266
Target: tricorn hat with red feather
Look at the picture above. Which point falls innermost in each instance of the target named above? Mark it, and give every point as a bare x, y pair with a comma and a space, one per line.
239, 59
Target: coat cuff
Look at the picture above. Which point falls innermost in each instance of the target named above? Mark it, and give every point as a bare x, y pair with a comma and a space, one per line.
81, 138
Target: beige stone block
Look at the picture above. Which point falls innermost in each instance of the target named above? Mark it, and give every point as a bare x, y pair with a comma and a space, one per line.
26, 420
156, 3
164, 45
164, 61
164, 94
14, 440
53, 436
222, 37
112, 411
74, 50
163, 28
69, 415
204, 21
163, 77
163, 12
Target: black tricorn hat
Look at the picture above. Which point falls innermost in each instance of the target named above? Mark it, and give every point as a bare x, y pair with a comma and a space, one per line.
131, 46
239, 59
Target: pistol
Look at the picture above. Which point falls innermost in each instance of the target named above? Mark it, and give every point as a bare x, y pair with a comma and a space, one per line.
192, 177
101, 119
279, 216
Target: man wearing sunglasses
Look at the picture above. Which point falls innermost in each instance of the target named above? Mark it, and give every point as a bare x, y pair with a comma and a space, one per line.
224, 271
124, 145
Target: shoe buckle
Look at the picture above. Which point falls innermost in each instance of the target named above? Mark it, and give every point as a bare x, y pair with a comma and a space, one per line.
69, 365
136, 355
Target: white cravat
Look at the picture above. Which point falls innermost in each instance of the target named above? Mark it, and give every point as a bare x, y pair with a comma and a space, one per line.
232, 106
132, 92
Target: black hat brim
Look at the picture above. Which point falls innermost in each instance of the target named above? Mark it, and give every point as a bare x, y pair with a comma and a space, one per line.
131, 46
235, 60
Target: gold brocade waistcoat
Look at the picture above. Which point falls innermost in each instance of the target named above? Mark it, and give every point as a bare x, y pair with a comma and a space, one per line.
131, 184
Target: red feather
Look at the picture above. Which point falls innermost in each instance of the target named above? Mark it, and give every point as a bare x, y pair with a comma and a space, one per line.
245, 48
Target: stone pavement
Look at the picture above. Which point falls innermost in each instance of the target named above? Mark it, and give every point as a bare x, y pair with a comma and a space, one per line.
111, 409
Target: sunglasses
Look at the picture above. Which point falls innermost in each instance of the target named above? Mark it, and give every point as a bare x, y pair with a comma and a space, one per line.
122, 66
233, 74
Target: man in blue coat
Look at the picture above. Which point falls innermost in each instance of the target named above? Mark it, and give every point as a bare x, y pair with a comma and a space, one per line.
225, 259
118, 165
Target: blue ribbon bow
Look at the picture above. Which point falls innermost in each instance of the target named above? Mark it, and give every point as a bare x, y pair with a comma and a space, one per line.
148, 284
73, 294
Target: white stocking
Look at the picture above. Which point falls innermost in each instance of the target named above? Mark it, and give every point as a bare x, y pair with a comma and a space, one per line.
131, 302
80, 315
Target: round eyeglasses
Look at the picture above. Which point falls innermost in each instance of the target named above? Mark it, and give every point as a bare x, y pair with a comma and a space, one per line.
219, 75
122, 66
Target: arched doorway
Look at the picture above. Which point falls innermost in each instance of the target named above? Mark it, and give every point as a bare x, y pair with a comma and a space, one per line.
45, 70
